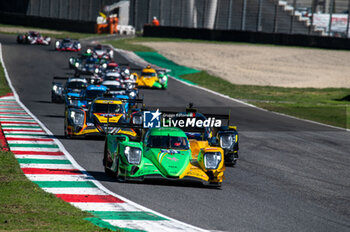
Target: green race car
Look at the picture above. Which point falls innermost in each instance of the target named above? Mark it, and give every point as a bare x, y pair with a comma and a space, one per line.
163, 153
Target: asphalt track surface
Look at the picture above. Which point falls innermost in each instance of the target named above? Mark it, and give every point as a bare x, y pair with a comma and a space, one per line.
292, 175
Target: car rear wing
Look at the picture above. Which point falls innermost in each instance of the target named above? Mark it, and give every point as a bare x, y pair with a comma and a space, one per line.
158, 70
60, 78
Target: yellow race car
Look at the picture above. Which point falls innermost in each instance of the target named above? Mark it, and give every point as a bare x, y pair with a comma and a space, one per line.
151, 79
95, 120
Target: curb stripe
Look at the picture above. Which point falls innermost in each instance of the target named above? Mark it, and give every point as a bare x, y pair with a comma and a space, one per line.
23, 130
28, 136
31, 142
51, 171
154, 226
2, 117
33, 145
16, 120
47, 166
88, 206
37, 153
28, 133
42, 161
35, 149
76, 191
11, 126
52, 157
57, 177
65, 184
29, 139
122, 215
89, 198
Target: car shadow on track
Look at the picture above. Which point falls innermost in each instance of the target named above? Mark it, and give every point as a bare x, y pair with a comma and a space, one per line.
46, 102
95, 138
102, 176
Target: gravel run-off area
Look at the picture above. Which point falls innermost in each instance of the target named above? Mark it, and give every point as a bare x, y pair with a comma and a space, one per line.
263, 65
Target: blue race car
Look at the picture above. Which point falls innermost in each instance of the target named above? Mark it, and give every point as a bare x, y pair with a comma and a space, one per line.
92, 92
72, 85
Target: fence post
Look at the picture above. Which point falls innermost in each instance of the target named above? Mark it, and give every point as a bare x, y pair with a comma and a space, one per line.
135, 13
244, 8
275, 17
347, 24
171, 13
203, 14
229, 19
160, 15
181, 12
292, 17
149, 11
331, 2
258, 22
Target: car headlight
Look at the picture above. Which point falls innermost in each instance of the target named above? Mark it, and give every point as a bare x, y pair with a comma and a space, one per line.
57, 44
137, 119
96, 70
78, 45
88, 51
104, 65
226, 141
54, 88
71, 60
133, 155
129, 86
77, 65
132, 94
77, 117
212, 160
163, 79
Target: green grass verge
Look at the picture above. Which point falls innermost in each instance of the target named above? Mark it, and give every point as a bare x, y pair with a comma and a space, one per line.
4, 88
60, 34
329, 105
26, 207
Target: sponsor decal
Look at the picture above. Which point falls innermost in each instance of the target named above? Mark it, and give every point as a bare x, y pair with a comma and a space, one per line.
151, 119
182, 120
173, 158
169, 151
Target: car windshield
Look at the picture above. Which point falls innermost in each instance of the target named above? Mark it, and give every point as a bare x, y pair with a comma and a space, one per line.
94, 93
148, 74
90, 61
76, 85
107, 108
113, 87
34, 34
168, 142
112, 69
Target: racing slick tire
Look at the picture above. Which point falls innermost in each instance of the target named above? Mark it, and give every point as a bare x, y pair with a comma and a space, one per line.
66, 134
105, 162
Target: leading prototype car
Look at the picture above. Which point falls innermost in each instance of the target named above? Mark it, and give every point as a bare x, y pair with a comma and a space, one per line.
164, 153
33, 37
